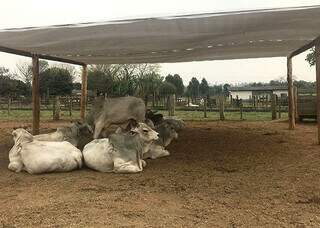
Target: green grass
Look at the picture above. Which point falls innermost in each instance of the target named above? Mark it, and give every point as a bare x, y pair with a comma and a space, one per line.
27, 115
249, 116
186, 115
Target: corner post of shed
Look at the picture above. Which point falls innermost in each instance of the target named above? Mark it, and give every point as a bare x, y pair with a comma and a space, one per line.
291, 111
317, 53
84, 83
35, 95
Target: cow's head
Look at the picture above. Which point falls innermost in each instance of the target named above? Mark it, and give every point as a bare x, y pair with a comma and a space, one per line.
20, 135
146, 133
167, 133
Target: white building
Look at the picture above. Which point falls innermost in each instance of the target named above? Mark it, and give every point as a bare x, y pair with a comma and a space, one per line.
246, 93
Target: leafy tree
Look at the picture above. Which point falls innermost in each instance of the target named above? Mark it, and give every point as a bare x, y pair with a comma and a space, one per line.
176, 80
57, 80
311, 57
215, 90
193, 88
167, 89
204, 87
25, 70
304, 85
226, 88
9, 86
99, 81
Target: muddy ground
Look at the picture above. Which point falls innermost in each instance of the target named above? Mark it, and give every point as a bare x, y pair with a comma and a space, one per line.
230, 174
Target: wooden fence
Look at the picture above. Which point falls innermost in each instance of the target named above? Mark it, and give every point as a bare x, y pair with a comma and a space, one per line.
273, 104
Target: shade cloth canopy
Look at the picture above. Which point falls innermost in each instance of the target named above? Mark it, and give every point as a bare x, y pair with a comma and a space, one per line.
210, 36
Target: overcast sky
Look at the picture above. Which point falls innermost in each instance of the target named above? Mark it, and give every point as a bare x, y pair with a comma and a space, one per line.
17, 13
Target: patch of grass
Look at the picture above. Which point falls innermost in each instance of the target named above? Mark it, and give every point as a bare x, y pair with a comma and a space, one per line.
249, 116
27, 115
185, 115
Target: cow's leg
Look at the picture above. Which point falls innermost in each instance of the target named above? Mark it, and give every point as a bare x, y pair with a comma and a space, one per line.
121, 166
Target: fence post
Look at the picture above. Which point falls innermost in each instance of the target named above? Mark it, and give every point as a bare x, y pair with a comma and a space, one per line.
56, 108
205, 107
9, 105
273, 106
171, 104
295, 96
70, 106
279, 107
241, 110
221, 107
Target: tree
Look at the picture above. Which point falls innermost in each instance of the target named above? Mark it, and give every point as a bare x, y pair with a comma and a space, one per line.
226, 88
99, 81
215, 90
58, 81
204, 88
149, 85
25, 70
167, 89
176, 80
9, 86
193, 88
311, 57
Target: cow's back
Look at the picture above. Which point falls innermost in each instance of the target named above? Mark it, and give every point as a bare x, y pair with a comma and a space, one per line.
121, 109
43, 157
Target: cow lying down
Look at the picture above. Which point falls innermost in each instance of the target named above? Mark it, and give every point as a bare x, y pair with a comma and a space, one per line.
78, 134
37, 157
122, 152
166, 134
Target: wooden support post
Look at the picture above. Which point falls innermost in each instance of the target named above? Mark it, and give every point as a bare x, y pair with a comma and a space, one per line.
318, 85
205, 107
295, 96
221, 107
273, 106
83, 100
35, 95
291, 111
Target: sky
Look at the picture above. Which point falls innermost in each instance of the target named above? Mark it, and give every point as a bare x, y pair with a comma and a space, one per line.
17, 13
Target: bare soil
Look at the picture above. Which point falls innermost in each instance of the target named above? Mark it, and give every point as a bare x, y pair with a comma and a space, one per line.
219, 174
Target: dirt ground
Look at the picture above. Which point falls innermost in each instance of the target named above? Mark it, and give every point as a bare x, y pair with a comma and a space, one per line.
219, 174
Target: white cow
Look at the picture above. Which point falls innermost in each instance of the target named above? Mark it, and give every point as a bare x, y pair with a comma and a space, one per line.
37, 157
122, 152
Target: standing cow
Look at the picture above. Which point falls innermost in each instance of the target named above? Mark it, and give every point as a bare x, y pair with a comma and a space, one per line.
115, 111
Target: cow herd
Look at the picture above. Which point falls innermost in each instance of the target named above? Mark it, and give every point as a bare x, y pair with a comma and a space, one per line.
140, 135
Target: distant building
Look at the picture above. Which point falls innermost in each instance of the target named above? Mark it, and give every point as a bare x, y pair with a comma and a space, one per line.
248, 92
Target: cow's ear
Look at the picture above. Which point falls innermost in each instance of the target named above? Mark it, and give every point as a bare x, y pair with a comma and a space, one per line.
132, 124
